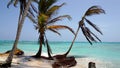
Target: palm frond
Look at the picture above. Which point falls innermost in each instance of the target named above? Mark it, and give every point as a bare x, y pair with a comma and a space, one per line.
94, 10
93, 25
93, 34
59, 18
89, 35
31, 18
42, 18
34, 8
96, 37
55, 31
54, 8
9, 3
42, 6
85, 34
16, 2
31, 12
49, 3
57, 27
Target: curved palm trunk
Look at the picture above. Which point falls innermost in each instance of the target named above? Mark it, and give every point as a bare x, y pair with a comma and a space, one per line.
49, 54
72, 42
38, 54
20, 24
48, 50
41, 38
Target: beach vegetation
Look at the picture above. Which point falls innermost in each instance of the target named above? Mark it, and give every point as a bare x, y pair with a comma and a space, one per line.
24, 8
43, 18
45, 21
89, 35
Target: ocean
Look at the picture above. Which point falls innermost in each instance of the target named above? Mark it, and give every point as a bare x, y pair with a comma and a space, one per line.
107, 51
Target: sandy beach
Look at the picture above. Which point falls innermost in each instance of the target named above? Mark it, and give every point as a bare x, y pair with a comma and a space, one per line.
28, 62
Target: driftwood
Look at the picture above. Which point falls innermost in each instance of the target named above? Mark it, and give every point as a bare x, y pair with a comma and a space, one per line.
17, 52
64, 62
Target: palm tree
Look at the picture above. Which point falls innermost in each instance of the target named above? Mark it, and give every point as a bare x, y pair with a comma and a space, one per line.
89, 35
24, 7
44, 22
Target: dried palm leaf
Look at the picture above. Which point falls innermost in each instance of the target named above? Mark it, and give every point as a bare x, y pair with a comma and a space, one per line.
34, 8
88, 32
16, 2
59, 18
55, 31
57, 27
31, 18
52, 10
9, 3
94, 10
85, 34
93, 34
93, 25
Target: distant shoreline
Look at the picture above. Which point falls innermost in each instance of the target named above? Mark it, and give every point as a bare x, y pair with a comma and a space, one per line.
54, 41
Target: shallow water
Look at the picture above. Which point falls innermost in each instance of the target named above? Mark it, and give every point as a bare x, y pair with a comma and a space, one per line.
106, 51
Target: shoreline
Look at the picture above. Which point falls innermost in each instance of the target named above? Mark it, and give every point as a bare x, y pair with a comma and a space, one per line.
29, 62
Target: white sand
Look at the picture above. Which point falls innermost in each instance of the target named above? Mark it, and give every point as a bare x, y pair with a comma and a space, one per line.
83, 63
28, 62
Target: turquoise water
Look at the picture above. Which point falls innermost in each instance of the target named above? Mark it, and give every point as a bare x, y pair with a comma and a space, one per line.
109, 51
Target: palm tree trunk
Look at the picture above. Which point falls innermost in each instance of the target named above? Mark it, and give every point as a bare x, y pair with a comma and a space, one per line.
48, 51
41, 41
49, 54
38, 54
20, 24
72, 42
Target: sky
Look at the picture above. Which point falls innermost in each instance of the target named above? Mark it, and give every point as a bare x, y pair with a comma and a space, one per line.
109, 23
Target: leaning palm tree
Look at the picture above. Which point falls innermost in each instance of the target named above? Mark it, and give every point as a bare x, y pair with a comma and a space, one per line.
44, 22
24, 7
89, 35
